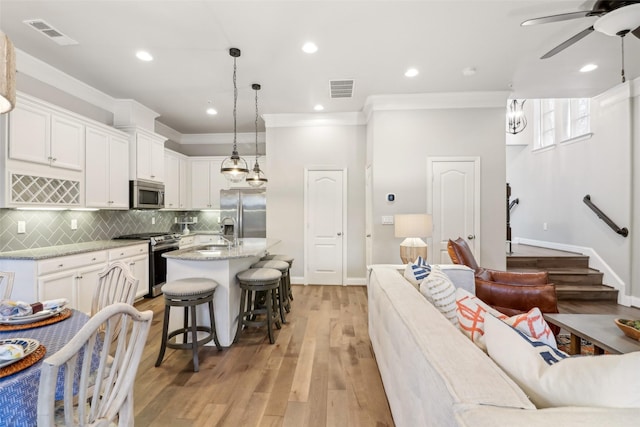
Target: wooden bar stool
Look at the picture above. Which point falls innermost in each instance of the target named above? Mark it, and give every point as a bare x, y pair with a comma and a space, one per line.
283, 298
287, 259
251, 282
188, 293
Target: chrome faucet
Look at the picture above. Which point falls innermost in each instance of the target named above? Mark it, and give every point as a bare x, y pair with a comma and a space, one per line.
235, 230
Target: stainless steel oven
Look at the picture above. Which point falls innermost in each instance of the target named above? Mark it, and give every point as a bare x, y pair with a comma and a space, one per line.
159, 243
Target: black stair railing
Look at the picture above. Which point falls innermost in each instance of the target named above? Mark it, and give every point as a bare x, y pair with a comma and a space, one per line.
621, 231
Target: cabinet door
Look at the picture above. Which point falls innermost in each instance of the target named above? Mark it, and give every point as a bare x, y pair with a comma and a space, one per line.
97, 168
58, 285
29, 134
183, 177
157, 160
86, 285
218, 182
67, 143
139, 266
118, 173
200, 185
172, 181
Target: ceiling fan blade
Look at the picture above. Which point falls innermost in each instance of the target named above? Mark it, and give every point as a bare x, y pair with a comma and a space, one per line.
636, 32
562, 46
562, 17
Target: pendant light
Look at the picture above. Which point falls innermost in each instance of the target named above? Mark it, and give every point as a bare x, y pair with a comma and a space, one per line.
516, 121
256, 177
7, 74
234, 168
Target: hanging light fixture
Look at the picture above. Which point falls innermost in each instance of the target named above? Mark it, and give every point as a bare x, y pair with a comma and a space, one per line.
7, 74
234, 168
256, 177
516, 121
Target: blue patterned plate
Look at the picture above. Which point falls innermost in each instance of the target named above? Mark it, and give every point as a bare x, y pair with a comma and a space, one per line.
27, 344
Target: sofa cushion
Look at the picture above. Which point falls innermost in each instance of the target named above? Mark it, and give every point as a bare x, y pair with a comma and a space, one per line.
417, 271
472, 311
440, 291
553, 379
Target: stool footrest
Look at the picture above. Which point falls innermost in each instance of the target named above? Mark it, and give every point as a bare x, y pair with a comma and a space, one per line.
188, 331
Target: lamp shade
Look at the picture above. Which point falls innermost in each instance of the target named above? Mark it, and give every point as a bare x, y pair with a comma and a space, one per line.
7, 74
413, 225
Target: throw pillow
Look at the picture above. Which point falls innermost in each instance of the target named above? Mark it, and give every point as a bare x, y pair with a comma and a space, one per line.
551, 378
418, 271
440, 292
472, 311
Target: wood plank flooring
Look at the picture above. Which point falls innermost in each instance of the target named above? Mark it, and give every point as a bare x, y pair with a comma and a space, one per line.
320, 372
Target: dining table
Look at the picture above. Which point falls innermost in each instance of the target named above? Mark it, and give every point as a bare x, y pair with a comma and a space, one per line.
19, 391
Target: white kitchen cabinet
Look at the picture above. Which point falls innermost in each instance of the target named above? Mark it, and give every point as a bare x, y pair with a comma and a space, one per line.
136, 258
106, 177
146, 154
206, 182
203, 239
43, 135
187, 241
175, 181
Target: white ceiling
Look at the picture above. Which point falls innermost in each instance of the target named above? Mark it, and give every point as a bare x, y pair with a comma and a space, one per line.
372, 42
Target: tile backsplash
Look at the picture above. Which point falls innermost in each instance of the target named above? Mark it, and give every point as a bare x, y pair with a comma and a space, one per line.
50, 228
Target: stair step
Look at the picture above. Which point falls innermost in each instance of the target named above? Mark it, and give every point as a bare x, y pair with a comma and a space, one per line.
542, 263
568, 276
587, 292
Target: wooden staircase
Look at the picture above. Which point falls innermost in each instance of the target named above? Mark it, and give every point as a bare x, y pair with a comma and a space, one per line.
570, 272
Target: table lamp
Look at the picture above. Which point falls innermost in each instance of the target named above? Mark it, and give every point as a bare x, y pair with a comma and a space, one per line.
413, 227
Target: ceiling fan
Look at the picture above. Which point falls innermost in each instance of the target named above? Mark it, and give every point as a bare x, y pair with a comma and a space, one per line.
615, 18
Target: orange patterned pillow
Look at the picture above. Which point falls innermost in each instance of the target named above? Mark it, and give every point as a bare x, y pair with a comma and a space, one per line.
472, 311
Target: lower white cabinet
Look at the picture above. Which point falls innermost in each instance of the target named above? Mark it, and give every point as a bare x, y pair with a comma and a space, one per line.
135, 257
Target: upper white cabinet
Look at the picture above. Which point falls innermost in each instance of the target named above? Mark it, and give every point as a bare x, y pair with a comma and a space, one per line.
39, 134
106, 177
146, 154
176, 179
206, 182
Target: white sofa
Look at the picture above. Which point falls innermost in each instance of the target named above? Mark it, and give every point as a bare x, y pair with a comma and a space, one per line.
434, 375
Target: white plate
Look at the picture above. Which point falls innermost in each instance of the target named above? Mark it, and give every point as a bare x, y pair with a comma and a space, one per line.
41, 315
27, 344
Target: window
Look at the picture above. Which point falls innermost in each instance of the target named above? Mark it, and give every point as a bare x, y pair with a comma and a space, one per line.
561, 120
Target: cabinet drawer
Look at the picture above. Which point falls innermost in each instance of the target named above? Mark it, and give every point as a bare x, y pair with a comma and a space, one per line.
72, 261
128, 251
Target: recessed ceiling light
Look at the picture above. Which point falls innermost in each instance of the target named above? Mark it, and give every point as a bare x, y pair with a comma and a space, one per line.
309, 47
143, 55
211, 111
318, 107
411, 72
469, 71
588, 67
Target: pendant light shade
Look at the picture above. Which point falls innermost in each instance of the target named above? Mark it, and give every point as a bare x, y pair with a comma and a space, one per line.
7, 74
234, 168
256, 177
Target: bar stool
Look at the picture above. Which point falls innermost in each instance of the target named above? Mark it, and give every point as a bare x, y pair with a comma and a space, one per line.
188, 293
285, 258
251, 282
283, 299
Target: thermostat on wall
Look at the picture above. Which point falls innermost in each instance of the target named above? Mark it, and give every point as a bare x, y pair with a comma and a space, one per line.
391, 197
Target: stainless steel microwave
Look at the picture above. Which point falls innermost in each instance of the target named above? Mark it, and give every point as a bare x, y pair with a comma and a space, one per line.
146, 195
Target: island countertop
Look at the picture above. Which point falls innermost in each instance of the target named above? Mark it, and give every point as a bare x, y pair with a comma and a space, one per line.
248, 247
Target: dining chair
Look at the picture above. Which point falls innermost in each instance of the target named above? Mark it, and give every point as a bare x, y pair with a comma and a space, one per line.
115, 284
111, 400
6, 282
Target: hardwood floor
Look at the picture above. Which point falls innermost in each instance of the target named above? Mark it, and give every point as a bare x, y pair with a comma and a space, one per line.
320, 372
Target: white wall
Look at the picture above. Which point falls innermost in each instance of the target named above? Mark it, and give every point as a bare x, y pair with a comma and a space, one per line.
402, 141
291, 150
551, 185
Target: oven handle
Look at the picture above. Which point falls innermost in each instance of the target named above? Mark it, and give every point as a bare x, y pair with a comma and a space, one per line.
172, 246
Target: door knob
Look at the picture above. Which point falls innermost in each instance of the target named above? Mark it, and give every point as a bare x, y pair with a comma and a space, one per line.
471, 237
339, 234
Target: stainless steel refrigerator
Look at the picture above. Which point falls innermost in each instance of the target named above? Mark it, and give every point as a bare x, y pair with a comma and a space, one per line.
248, 207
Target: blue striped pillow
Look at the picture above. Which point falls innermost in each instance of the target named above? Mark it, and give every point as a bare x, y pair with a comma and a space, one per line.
417, 271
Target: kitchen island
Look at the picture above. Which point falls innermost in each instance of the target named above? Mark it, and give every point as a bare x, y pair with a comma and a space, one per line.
220, 263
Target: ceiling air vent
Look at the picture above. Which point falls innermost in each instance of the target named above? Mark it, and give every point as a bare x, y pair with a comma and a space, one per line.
49, 32
341, 88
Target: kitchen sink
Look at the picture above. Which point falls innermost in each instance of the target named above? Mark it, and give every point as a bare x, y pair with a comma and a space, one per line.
208, 252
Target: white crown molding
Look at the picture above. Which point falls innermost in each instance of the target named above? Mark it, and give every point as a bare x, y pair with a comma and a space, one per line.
619, 93
129, 112
44, 72
435, 101
317, 119
221, 138
168, 132
635, 87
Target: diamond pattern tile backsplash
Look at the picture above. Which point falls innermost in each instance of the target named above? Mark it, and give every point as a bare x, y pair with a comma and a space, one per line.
50, 228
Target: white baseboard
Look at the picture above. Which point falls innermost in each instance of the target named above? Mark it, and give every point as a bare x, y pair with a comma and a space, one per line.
351, 281
595, 261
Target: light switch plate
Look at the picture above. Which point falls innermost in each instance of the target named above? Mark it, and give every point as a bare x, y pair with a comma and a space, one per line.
153, 220
74, 224
22, 227
387, 220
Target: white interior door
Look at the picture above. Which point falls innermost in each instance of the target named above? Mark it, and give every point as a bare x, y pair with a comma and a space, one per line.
454, 200
325, 227
368, 216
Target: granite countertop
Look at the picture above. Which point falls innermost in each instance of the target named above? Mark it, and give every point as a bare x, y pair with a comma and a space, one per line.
70, 249
248, 247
